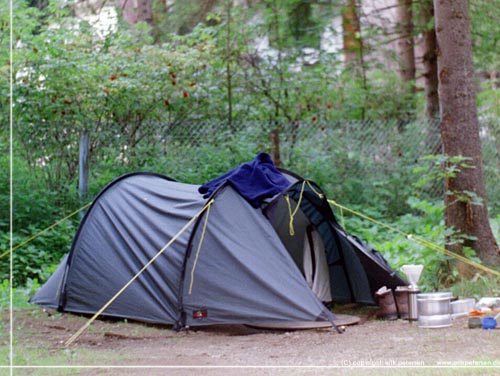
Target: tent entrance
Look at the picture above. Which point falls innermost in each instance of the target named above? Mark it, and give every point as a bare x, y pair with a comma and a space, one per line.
348, 278
304, 244
315, 265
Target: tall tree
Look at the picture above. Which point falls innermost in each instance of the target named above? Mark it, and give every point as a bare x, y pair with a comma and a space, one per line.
405, 44
228, 65
353, 47
430, 72
429, 59
351, 31
466, 210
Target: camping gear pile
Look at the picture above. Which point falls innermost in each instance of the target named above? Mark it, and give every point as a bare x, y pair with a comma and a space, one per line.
402, 301
256, 245
434, 309
486, 314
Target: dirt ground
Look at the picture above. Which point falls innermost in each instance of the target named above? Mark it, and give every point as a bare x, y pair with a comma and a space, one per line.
385, 347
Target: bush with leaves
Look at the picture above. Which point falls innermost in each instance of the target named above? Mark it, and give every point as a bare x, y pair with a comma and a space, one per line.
37, 259
400, 249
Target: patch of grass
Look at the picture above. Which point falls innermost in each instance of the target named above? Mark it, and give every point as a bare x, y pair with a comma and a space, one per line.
477, 287
31, 349
47, 371
46, 360
20, 296
41, 356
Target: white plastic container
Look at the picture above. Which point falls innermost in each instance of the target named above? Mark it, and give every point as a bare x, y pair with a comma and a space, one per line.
462, 307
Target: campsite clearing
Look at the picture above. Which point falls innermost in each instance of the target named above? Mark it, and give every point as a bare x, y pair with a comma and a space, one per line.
39, 336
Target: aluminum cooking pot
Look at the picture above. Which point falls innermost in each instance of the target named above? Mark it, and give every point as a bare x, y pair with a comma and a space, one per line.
434, 303
434, 321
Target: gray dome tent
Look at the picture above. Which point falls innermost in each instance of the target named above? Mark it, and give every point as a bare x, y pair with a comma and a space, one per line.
235, 264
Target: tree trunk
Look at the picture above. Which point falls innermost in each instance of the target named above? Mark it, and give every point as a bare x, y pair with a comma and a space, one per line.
203, 7
353, 47
405, 44
275, 147
135, 11
460, 130
430, 61
351, 30
494, 79
228, 67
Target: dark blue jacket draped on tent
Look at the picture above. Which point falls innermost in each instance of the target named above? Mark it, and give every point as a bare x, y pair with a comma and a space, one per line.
255, 181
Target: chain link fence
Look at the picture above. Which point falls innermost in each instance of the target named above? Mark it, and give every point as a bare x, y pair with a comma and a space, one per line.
360, 163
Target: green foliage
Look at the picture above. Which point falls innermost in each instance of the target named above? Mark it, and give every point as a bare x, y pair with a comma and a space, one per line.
400, 246
485, 32
5, 295
478, 287
439, 167
365, 164
25, 21
197, 164
36, 259
20, 296
489, 112
68, 82
426, 222
158, 101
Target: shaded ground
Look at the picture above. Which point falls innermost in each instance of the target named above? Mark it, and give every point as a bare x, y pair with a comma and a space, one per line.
381, 345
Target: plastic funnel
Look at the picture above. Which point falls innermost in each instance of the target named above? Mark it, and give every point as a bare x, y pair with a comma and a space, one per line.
413, 273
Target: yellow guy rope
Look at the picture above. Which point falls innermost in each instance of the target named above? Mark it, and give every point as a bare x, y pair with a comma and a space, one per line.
103, 308
198, 251
320, 195
44, 231
292, 213
419, 240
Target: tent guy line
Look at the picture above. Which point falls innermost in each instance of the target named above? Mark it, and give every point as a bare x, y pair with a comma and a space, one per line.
417, 239
341, 208
158, 254
291, 212
30, 239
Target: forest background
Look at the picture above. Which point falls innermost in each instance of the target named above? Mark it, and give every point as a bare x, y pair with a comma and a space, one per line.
342, 92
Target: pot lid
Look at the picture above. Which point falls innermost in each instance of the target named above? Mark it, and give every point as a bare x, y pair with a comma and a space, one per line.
435, 296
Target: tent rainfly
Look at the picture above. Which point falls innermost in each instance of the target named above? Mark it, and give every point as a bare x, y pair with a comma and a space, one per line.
256, 245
